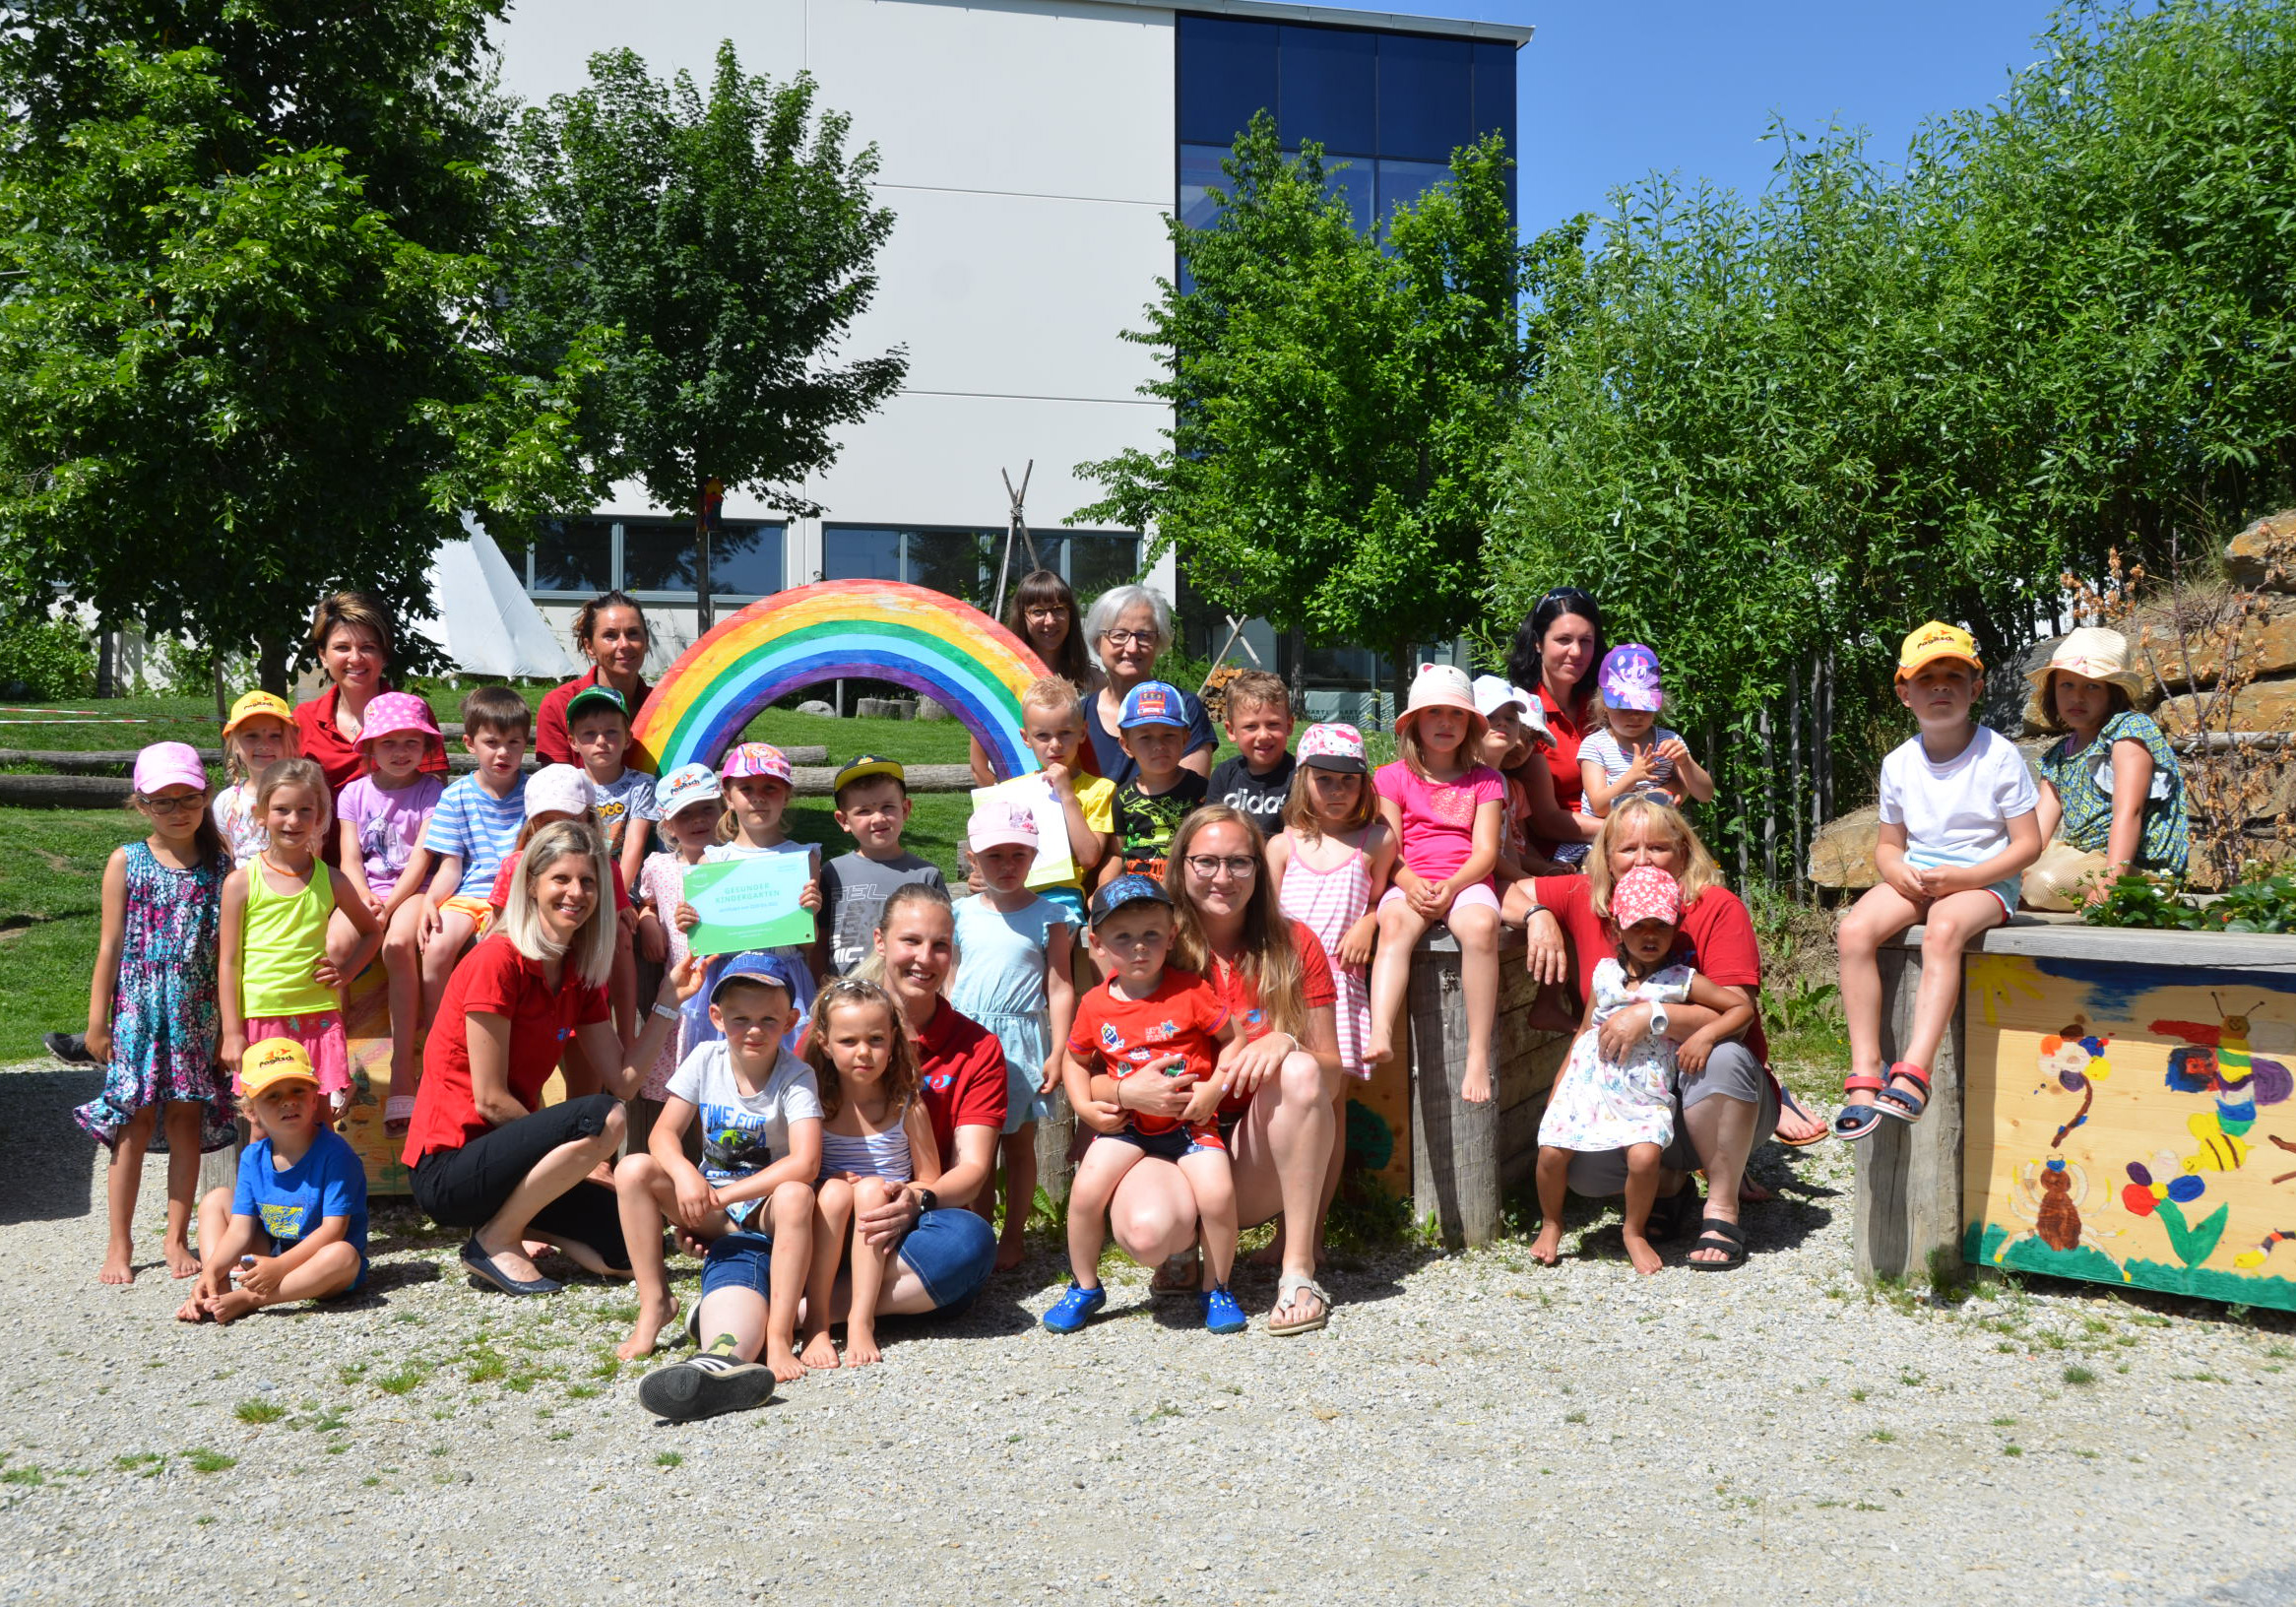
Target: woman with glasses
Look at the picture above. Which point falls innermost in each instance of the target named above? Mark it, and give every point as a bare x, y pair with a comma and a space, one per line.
1281, 1077
1043, 613
1554, 655
1128, 629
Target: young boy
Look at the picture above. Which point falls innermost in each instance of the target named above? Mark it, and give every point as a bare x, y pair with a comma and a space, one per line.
1958, 831
872, 808
1155, 1021
598, 728
295, 1226
474, 827
1258, 779
1149, 807
751, 1196
1052, 722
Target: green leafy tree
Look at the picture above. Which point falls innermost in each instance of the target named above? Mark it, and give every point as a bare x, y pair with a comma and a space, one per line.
1339, 398
731, 243
245, 347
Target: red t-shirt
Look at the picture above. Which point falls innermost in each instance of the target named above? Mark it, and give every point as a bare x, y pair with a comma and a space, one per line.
499, 894
963, 1069
496, 978
1568, 728
337, 755
1181, 1016
1317, 991
1716, 939
553, 745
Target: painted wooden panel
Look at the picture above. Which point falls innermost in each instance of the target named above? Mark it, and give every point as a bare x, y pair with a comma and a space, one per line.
367, 1024
2132, 1123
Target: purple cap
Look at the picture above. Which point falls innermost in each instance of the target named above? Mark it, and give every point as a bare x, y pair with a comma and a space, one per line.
170, 764
1629, 679
755, 759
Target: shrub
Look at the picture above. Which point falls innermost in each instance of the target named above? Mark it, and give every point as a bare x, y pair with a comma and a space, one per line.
44, 659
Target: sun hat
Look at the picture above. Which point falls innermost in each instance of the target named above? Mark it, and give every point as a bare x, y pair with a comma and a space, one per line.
1496, 692
170, 764
1646, 893
394, 714
1153, 703
1332, 747
1443, 686
258, 706
755, 759
559, 789
2091, 652
1126, 891
867, 765
1936, 640
1630, 679
273, 1061
597, 697
686, 786
1001, 825
759, 965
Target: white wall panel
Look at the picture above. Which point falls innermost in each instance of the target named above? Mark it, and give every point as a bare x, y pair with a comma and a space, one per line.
547, 44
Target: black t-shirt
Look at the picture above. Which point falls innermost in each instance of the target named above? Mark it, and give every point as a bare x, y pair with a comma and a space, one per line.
1145, 825
1259, 797
1109, 753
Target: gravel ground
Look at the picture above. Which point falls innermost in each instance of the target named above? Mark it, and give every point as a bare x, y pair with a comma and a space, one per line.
1471, 1426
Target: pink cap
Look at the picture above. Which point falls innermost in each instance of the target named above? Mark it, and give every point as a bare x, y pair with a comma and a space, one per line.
394, 714
1332, 746
170, 764
1001, 825
756, 759
559, 789
1646, 893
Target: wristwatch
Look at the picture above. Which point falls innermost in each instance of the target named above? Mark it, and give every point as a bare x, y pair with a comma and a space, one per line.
669, 1012
1658, 1020
927, 1200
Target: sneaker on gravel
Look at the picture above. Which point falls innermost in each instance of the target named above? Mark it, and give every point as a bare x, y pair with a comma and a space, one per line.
1220, 1313
69, 1046
706, 1386
1074, 1309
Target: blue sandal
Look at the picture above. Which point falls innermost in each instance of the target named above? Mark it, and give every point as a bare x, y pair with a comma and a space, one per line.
1074, 1308
1904, 1104
1220, 1313
1854, 1122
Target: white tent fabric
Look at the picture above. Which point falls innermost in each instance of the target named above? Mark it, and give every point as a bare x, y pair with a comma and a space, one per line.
485, 621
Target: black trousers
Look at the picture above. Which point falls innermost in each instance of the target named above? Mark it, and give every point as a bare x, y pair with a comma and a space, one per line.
464, 1188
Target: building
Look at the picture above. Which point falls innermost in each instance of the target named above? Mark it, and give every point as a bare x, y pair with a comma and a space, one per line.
1031, 151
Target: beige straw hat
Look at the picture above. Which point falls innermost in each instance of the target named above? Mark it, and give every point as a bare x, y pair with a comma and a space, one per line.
2092, 652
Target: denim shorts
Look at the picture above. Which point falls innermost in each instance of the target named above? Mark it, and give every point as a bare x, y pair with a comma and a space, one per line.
1174, 1143
951, 1252
738, 1261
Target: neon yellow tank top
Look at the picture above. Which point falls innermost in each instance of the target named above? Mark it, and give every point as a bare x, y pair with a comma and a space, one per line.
282, 938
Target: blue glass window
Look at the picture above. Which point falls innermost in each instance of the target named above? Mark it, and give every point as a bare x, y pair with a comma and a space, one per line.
1426, 96
1098, 563
946, 560
1495, 101
1199, 169
745, 561
1403, 182
850, 553
1227, 73
660, 557
574, 556
1327, 78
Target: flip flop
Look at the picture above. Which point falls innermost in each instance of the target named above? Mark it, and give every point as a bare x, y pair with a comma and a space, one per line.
1716, 1234
1182, 1275
1287, 1287
1787, 1101
482, 1266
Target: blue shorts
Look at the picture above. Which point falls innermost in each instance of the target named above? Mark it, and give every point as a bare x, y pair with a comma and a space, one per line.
2008, 891
280, 1247
739, 1260
951, 1252
1173, 1144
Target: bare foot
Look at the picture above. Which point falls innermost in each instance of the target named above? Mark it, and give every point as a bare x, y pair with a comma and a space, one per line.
1271, 1253
861, 1346
1179, 1274
182, 1263
1750, 1192
1475, 1086
194, 1309
787, 1368
536, 1249
652, 1318
590, 1260
820, 1352
1643, 1254
234, 1304
117, 1267
1011, 1252
1547, 1249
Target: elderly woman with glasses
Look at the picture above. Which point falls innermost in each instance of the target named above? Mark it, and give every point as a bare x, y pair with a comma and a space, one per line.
1128, 629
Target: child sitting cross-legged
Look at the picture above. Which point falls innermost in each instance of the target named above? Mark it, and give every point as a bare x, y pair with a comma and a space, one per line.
1148, 1019
295, 1226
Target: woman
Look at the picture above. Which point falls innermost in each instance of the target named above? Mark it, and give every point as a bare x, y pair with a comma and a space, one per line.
486, 1155
1281, 1081
1556, 652
1043, 613
1128, 629
1720, 1112
611, 632
352, 633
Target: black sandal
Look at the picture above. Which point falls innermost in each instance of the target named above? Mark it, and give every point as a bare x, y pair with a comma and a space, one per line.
1716, 1234
1668, 1211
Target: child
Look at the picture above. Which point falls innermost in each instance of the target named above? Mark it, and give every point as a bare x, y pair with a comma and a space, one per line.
1443, 807
561, 792
1625, 1100
1052, 720
476, 823
597, 727
1328, 867
295, 1228
260, 732
1017, 982
876, 1136
152, 1020
2112, 786
872, 805
1153, 730
755, 781
1959, 827
275, 979
1632, 753
1256, 782
761, 1144
1508, 745
690, 801
1149, 1018
384, 814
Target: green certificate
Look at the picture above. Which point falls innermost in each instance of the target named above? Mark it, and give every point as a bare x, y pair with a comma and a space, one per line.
750, 903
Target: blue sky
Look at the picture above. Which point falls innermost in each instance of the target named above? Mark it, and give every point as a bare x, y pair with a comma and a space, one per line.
1612, 90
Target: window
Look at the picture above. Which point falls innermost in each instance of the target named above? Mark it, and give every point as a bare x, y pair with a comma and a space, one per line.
848, 553
1327, 86
1426, 96
1199, 171
962, 564
1403, 182
653, 559
950, 561
1226, 72
745, 561
1099, 562
660, 557
574, 556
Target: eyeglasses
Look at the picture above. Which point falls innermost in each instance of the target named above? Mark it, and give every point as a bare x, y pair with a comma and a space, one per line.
1128, 638
174, 804
1242, 866
1045, 616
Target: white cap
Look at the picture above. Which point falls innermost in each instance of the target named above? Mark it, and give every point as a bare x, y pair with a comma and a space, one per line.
1496, 692
559, 789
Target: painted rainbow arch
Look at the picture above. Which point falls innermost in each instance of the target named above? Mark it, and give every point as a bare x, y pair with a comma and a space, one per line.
868, 630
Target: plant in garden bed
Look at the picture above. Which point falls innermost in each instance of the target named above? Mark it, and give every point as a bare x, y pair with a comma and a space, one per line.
2262, 903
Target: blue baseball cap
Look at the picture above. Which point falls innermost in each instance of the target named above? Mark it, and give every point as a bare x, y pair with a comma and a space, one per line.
1153, 703
1126, 891
756, 966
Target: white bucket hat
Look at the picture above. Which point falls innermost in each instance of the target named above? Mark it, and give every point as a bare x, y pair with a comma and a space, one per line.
2093, 653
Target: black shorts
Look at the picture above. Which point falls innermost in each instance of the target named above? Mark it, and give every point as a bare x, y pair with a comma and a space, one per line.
464, 1188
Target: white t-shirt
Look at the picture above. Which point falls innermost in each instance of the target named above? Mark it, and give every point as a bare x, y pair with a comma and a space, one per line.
743, 1133
1956, 812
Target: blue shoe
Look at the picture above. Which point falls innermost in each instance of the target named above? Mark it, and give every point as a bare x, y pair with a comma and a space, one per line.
1074, 1309
482, 1266
1220, 1313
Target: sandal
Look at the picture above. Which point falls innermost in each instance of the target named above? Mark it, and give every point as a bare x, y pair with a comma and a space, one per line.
1668, 1210
1182, 1275
1854, 1122
398, 1115
1728, 1237
1787, 1101
1289, 1288
1904, 1104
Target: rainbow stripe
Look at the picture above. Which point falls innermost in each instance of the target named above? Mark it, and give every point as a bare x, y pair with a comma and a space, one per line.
870, 629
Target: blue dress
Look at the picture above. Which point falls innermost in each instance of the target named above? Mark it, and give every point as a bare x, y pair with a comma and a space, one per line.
1000, 984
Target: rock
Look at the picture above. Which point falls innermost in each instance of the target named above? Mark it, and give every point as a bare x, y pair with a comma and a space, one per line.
2263, 555
814, 705
928, 709
2264, 705
884, 708
2006, 693
2267, 647
1842, 855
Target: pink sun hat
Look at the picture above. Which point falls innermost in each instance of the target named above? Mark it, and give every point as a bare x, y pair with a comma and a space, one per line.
393, 714
1646, 893
1441, 686
1001, 825
756, 759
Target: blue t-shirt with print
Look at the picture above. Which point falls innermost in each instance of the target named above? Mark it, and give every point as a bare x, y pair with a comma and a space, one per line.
329, 1180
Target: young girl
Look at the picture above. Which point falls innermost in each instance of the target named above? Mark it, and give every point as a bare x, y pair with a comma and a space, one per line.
755, 779
1327, 868
1632, 753
1443, 807
876, 1136
1621, 1096
1017, 981
383, 814
1515, 736
260, 732
690, 801
152, 1004
2112, 786
275, 978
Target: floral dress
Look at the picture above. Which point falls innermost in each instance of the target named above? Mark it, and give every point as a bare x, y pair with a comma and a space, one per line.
1602, 1105
164, 1022
2084, 786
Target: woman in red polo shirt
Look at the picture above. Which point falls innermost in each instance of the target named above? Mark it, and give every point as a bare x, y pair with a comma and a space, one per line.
485, 1153
352, 633
1282, 1078
611, 632
1554, 657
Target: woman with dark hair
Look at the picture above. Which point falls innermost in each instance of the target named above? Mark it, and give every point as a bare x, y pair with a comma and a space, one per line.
611, 632
1554, 655
1042, 612
352, 633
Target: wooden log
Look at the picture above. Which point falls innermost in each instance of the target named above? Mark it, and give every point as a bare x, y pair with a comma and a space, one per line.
1054, 1135
1909, 1174
1455, 1145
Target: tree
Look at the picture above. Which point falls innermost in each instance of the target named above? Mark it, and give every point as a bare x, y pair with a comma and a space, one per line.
731, 243
1339, 398
246, 349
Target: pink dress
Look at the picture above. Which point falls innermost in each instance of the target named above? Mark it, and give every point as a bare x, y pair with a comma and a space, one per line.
661, 885
1327, 903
